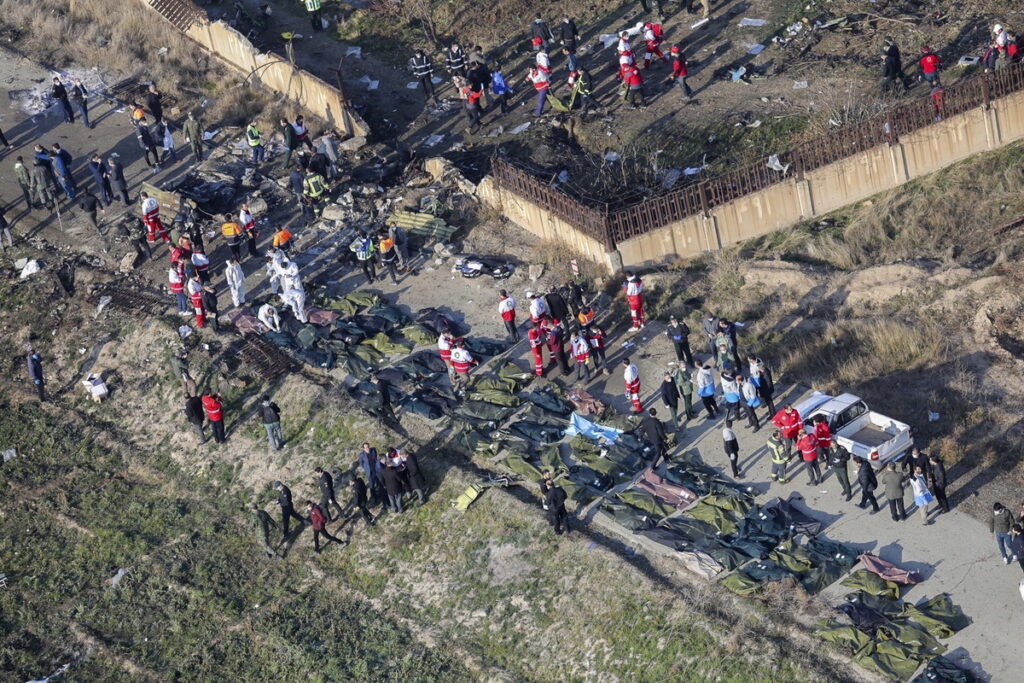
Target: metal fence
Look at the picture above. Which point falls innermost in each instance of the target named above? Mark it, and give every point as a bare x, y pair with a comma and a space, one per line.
886, 127
181, 13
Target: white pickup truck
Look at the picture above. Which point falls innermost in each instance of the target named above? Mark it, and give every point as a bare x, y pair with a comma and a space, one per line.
864, 433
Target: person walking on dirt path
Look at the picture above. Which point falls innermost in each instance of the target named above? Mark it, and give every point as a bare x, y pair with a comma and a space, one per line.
731, 394
837, 463
892, 484
732, 449
654, 430
21, 173
261, 523
596, 336
79, 98
535, 336
706, 390
35, 373
567, 34
670, 397
558, 517
89, 205
271, 415
358, 500
868, 483
922, 496
507, 311
683, 379
195, 414
145, 139
470, 97
462, 361
318, 520
455, 60
789, 423
679, 73
235, 277
1017, 544
179, 369
779, 457
930, 66
808, 447
316, 19
214, 409
761, 375
751, 401
892, 68
937, 482
118, 183
325, 482
692, 5
631, 378
101, 176
647, 6
679, 334
540, 34
1000, 523
60, 93
423, 70
291, 141
392, 484
634, 289
284, 501
193, 132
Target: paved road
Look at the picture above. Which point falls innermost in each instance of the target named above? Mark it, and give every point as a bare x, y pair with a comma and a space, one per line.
955, 554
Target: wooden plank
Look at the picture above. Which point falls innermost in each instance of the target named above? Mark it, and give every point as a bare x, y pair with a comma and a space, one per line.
170, 202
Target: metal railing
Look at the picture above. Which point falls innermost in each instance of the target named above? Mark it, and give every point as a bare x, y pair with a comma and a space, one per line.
181, 13
885, 127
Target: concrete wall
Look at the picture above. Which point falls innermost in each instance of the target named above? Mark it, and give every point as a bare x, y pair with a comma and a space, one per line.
834, 186
311, 94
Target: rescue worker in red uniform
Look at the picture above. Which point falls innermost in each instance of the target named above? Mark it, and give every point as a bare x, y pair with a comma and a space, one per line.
462, 360
536, 338
680, 72
580, 348
444, 346
214, 410
554, 337
151, 218
596, 335
631, 377
824, 436
507, 311
789, 423
808, 445
195, 295
635, 296
177, 285
653, 39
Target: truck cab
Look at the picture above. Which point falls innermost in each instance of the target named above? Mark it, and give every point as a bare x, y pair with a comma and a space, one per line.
864, 433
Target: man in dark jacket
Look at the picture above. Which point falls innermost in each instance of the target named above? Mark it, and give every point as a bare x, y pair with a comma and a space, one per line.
415, 475
868, 484
210, 305
358, 500
892, 68
557, 308
117, 180
145, 139
654, 430
455, 60
154, 103
423, 69
709, 325
392, 484
540, 34
670, 397
35, 372
384, 399
567, 33
679, 334
291, 141
892, 482
1000, 524
319, 523
60, 93
195, 415
89, 205
101, 176
271, 415
326, 484
915, 459
371, 468
937, 481
555, 498
837, 462
284, 501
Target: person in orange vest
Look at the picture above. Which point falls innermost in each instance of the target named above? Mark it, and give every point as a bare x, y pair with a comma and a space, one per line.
177, 286
808, 445
462, 360
536, 338
635, 296
151, 217
444, 347
214, 410
195, 295
507, 311
580, 348
388, 255
248, 223
233, 235
586, 316
631, 376
283, 240
789, 423
595, 334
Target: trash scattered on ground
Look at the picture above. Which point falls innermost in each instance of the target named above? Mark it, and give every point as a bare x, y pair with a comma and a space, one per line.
535, 271
475, 266
184, 331
116, 578
520, 128
754, 49
412, 85
699, 24
611, 156
433, 140
671, 178
9, 454
968, 60
747, 21
31, 268
694, 171
354, 51
776, 165
104, 301
933, 417
799, 85
738, 74
96, 387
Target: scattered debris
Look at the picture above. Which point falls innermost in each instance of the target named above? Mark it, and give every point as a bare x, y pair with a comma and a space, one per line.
535, 271
30, 268
116, 578
433, 140
968, 60
10, 454
747, 21
776, 165
611, 156
755, 49
520, 128
799, 85
475, 266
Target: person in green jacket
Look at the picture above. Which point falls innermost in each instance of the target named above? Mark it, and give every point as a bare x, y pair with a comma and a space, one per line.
194, 134
24, 181
683, 379
261, 523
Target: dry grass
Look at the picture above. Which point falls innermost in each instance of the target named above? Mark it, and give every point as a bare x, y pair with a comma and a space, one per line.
852, 352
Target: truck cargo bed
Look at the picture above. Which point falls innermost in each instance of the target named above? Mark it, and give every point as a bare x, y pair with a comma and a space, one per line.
870, 436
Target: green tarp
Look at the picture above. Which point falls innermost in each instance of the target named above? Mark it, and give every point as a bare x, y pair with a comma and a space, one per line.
485, 411
382, 343
889, 659
793, 557
942, 670
496, 397
419, 334
722, 520
821, 577
872, 584
627, 515
740, 584
839, 553
646, 502
849, 637
367, 353
488, 382
885, 606
518, 464
547, 400
911, 638
551, 459
581, 493
938, 615
510, 371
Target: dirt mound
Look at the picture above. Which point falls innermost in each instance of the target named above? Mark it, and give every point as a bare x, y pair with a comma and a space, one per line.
878, 285
776, 275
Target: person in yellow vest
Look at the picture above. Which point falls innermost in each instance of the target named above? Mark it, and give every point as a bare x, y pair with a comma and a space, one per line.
233, 234
313, 8
282, 240
255, 139
313, 187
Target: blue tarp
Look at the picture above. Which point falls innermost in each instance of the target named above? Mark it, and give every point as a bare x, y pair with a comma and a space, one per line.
581, 425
